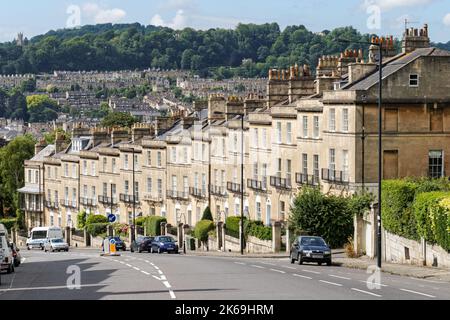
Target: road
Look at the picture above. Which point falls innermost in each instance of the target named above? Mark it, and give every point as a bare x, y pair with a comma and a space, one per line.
165, 277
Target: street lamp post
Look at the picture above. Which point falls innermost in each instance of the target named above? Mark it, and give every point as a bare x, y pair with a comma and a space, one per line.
133, 229
378, 44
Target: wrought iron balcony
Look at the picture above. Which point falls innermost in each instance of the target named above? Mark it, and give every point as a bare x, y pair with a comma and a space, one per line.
177, 195
234, 187
197, 193
257, 185
52, 204
68, 203
88, 202
280, 183
31, 207
334, 176
306, 179
153, 198
107, 201
218, 191
127, 198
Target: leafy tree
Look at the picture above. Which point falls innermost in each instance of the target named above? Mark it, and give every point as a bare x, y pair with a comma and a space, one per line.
12, 158
118, 119
51, 136
41, 108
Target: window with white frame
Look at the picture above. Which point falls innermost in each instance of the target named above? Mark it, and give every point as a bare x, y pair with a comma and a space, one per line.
332, 162
160, 192
258, 211
279, 167
85, 191
288, 170
345, 120
255, 138
255, 171
305, 126
185, 185
93, 194
136, 162
332, 120
203, 152
174, 154
289, 133
93, 168
125, 163
316, 167
436, 163
159, 159
113, 165
222, 179
174, 183
235, 175
84, 167
413, 80
149, 158
127, 187
345, 165
185, 155
149, 185
203, 183
304, 163
196, 181
74, 171
264, 138
105, 163
278, 132
316, 127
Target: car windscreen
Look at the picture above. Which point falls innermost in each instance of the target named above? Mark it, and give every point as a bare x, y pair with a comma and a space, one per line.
57, 241
39, 235
165, 239
318, 242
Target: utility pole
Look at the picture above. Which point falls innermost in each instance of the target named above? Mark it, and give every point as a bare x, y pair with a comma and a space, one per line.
242, 184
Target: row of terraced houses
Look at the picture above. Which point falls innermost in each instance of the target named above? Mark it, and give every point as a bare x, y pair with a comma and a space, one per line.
311, 129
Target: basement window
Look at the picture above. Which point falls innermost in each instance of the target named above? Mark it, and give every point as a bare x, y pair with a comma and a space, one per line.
413, 80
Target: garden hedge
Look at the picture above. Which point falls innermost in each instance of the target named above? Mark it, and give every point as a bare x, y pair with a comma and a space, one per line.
258, 229
202, 228
96, 229
8, 223
96, 219
153, 225
232, 226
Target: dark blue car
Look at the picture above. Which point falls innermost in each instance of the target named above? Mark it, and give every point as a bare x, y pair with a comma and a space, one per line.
164, 244
310, 249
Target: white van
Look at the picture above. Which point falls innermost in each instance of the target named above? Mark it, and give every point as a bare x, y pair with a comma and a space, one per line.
7, 262
40, 234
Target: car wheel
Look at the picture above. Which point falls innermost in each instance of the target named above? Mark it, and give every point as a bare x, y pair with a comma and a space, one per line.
329, 263
299, 259
292, 258
28, 248
319, 263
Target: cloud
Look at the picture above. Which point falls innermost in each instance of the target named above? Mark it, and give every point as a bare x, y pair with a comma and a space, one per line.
392, 4
447, 20
102, 15
178, 4
180, 21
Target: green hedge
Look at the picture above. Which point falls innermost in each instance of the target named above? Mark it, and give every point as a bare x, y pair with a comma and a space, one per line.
207, 215
258, 229
141, 221
96, 219
153, 225
397, 212
8, 223
81, 220
96, 229
232, 226
202, 228
432, 213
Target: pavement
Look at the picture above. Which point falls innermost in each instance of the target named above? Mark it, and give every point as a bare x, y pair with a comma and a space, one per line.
82, 274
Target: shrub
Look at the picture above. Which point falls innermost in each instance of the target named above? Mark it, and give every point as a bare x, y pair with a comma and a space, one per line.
258, 229
121, 229
9, 223
153, 225
202, 228
207, 215
96, 219
322, 215
397, 213
141, 221
232, 226
96, 229
350, 249
81, 220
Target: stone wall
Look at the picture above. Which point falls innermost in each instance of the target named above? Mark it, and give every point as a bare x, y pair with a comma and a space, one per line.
400, 250
255, 245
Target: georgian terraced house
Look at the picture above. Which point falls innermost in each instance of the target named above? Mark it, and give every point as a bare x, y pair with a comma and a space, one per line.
318, 130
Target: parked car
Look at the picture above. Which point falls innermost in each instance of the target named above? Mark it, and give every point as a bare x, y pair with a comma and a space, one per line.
16, 255
56, 244
310, 249
142, 244
7, 261
120, 245
164, 244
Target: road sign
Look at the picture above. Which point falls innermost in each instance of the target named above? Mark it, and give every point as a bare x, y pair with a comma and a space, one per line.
111, 218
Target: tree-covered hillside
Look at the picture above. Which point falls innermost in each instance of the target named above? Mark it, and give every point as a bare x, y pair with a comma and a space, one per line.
131, 46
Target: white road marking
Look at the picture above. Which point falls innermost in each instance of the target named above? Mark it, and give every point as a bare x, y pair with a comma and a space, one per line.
300, 276
145, 272
160, 272
163, 277
156, 278
280, 271
374, 283
332, 283
419, 293
172, 294
255, 266
367, 292
147, 261
156, 267
49, 288
129, 265
137, 269
339, 277
315, 272
167, 284
269, 264
241, 263
287, 267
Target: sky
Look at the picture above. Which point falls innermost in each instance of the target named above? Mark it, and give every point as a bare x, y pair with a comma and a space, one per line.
383, 17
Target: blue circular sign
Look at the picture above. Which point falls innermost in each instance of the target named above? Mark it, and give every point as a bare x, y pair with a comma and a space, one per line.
111, 218
112, 241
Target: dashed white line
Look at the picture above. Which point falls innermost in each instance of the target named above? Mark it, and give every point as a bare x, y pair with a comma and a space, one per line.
255, 266
275, 270
315, 272
269, 264
163, 277
160, 272
167, 284
367, 292
300, 276
145, 272
292, 268
137, 269
241, 263
332, 283
419, 293
129, 265
374, 283
339, 277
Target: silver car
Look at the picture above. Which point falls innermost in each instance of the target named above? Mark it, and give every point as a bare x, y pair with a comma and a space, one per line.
56, 245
